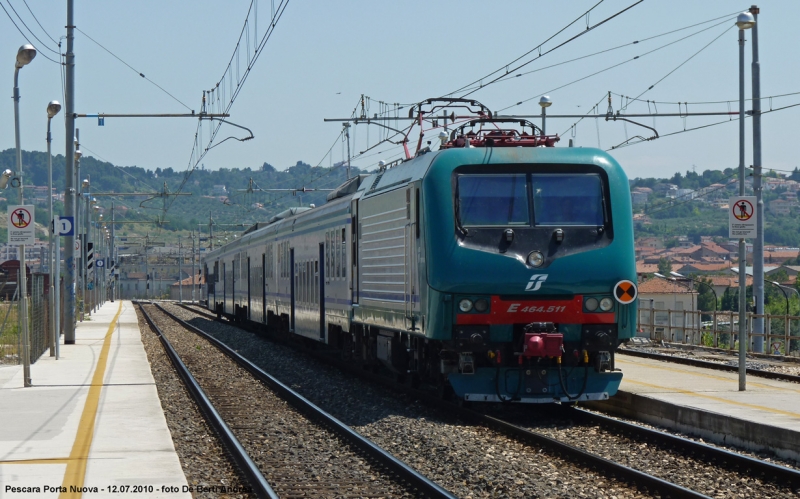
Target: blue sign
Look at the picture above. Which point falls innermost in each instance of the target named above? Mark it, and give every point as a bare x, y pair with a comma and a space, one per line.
64, 226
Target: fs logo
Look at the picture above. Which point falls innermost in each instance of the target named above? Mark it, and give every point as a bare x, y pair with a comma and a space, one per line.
536, 282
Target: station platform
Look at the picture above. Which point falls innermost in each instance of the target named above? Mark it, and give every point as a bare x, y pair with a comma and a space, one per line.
707, 403
91, 422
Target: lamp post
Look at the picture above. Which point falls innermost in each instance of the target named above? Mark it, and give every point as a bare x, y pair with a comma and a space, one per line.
545, 102
758, 244
25, 55
744, 21
782, 291
52, 109
680, 276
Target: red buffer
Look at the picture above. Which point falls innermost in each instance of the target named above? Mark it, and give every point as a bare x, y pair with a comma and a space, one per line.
543, 345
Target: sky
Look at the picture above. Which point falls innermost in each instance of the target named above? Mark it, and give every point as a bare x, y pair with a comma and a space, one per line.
323, 55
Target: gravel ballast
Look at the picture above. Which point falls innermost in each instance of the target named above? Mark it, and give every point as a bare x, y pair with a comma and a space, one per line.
203, 459
297, 457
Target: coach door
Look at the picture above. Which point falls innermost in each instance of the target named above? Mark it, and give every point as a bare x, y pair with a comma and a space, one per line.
293, 282
249, 315
355, 235
320, 278
263, 288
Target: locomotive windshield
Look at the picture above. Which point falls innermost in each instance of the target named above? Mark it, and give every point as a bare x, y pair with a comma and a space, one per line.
505, 199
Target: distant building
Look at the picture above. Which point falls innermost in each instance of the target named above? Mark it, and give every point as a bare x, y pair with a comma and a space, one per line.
781, 207
638, 198
219, 190
665, 301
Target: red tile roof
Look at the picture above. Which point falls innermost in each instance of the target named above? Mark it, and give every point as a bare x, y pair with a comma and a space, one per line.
198, 279
659, 286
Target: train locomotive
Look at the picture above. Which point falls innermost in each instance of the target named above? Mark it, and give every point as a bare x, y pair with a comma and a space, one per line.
497, 267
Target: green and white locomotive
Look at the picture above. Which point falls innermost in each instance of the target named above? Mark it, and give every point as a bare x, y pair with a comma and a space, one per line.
497, 266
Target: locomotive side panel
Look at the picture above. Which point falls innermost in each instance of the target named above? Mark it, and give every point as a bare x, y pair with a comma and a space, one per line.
388, 262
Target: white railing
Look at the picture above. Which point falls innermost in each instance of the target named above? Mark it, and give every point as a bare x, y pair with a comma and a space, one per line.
718, 329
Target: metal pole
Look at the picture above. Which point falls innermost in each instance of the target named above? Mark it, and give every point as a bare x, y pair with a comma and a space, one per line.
52, 308
180, 272
57, 294
347, 135
194, 285
146, 269
758, 244
69, 188
742, 249
23, 278
85, 250
113, 256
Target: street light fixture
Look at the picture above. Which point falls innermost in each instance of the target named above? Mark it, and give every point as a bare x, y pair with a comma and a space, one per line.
545, 102
53, 107
25, 55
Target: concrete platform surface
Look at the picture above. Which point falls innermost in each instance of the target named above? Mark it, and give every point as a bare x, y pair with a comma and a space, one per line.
92, 420
708, 403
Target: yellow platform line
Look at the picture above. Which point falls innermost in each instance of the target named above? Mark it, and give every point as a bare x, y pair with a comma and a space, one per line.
705, 375
78, 457
771, 410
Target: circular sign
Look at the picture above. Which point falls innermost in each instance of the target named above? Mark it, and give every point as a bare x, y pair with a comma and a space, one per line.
100, 263
625, 292
743, 210
20, 218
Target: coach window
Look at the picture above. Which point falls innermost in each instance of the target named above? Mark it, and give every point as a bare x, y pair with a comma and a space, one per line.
335, 257
327, 253
344, 254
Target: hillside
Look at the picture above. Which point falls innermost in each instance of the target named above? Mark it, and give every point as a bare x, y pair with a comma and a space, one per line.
220, 194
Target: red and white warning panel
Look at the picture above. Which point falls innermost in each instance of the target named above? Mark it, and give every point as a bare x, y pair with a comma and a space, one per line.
21, 225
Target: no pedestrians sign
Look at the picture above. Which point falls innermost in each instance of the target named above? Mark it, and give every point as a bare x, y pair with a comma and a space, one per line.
21, 225
741, 217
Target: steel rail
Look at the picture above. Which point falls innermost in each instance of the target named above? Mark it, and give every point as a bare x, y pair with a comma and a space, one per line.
423, 485
611, 468
252, 474
777, 472
710, 365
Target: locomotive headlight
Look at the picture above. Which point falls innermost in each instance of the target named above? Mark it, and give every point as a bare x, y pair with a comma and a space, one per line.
591, 304
606, 304
481, 305
465, 305
535, 259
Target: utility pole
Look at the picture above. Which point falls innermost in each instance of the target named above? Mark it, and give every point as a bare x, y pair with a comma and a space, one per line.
211, 230
194, 285
180, 272
69, 190
347, 135
146, 268
113, 256
758, 244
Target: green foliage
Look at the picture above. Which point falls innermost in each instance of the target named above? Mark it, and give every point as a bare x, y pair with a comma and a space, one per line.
236, 206
664, 266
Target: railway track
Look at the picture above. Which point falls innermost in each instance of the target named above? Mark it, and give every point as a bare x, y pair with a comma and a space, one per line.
621, 463
273, 433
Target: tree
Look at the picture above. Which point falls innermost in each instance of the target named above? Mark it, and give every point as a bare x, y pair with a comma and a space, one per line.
664, 266
706, 299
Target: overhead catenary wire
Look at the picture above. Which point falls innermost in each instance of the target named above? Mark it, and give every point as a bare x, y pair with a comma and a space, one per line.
479, 80
616, 65
23, 34
588, 29
115, 56
684, 62
42, 44
40, 24
661, 136
199, 152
